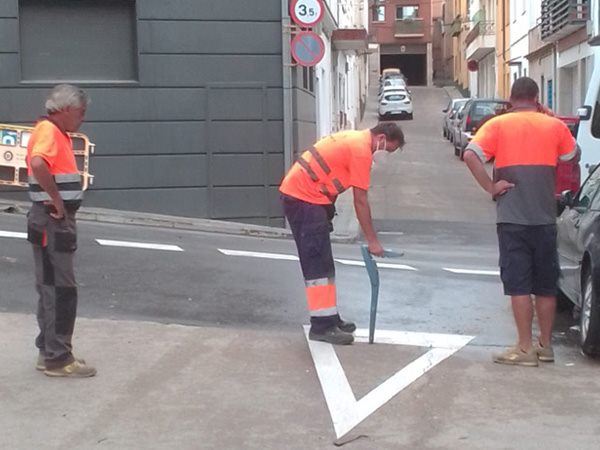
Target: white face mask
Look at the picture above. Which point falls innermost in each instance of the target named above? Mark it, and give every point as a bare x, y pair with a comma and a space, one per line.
380, 159
377, 148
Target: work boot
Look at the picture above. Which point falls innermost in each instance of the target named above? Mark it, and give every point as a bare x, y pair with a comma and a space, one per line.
333, 336
41, 362
74, 370
348, 327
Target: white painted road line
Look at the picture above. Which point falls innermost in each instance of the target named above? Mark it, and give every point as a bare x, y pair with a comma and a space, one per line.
285, 257
381, 265
13, 234
473, 271
262, 255
149, 246
347, 412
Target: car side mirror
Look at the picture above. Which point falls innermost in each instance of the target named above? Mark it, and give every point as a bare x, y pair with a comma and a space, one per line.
567, 199
584, 113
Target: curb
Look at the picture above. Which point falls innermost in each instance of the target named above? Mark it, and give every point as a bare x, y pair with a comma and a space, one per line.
452, 92
181, 223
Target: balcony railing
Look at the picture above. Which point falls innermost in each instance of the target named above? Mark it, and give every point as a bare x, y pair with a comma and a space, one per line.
410, 28
456, 27
484, 28
562, 17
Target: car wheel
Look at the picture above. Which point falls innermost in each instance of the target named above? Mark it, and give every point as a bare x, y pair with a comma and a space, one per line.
563, 303
456, 150
589, 320
444, 134
410, 116
461, 153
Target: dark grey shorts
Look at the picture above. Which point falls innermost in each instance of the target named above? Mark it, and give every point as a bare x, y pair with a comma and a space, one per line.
528, 259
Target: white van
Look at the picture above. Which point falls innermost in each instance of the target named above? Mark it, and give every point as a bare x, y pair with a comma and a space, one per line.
588, 136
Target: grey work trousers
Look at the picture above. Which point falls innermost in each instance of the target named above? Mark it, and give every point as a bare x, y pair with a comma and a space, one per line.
54, 243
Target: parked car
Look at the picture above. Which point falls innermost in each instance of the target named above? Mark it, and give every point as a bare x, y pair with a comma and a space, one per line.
395, 103
453, 123
578, 230
469, 118
449, 113
388, 89
391, 73
390, 83
568, 173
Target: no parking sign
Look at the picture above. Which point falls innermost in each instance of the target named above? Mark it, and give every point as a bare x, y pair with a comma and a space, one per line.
308, 48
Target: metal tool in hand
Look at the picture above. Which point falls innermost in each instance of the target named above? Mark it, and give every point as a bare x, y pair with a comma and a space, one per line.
373, 272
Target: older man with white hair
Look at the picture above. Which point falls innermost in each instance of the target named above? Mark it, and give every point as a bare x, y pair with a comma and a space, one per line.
56, 192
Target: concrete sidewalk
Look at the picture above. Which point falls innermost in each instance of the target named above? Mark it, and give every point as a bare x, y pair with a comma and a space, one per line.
178, 387
163, 386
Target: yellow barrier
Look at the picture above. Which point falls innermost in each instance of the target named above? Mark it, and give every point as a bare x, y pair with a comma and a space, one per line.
13, 152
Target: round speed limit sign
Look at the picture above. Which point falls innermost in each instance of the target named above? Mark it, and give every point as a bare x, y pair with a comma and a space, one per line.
307, 13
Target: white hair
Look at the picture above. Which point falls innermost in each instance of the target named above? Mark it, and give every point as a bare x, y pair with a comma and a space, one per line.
66, 96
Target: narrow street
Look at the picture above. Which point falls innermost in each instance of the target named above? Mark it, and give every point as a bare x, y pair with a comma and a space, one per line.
201, 345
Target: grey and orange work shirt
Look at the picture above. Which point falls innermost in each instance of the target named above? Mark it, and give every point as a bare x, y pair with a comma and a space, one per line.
526, 146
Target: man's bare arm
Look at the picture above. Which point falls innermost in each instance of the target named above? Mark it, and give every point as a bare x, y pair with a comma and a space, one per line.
46, 180
363, 213
478, 170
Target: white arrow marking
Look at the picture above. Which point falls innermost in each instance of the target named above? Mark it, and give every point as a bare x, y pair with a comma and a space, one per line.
149, 246
472, 271
12, 234
347, 412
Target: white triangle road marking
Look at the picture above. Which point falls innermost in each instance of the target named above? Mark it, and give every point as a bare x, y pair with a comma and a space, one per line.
347, 412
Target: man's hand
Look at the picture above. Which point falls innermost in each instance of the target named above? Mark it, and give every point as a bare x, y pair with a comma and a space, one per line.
500, 188
545, 110
59, 207
375, 248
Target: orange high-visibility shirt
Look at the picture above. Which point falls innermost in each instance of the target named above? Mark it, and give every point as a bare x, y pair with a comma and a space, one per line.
348, 157
526, 146
54, 146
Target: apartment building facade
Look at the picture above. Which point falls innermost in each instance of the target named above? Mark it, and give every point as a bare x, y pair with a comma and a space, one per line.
198, 108
403, 31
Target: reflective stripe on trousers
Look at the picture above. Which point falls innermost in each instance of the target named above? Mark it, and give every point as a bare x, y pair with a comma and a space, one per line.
311, 225
321, 297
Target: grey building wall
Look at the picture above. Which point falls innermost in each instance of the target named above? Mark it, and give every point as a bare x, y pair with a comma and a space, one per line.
197, 130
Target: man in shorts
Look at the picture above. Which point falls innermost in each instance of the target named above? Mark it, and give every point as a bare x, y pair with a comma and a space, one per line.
526, 144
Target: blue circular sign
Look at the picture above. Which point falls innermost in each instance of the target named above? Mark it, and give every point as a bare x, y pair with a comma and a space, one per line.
308, 48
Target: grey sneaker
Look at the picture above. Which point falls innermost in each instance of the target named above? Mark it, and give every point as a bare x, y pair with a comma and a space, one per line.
333, 336
74, 370
544, 354
517, 357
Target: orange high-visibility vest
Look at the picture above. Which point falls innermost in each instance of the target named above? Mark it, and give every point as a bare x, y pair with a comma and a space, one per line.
331, 166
